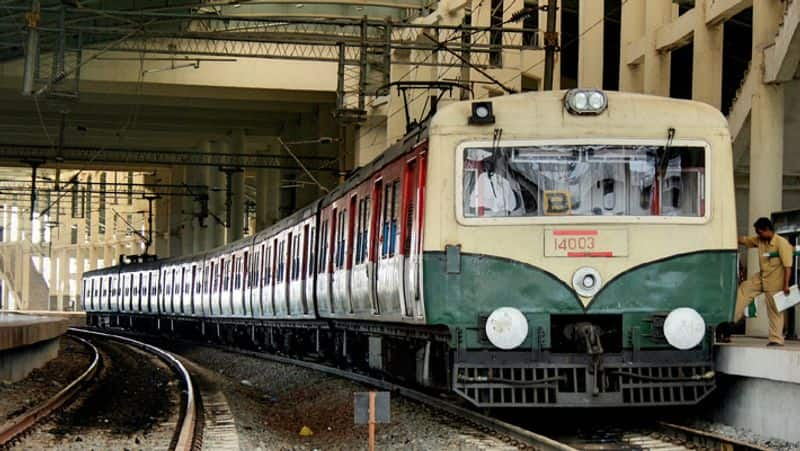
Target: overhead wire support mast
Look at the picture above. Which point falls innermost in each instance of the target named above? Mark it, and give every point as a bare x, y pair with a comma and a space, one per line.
550, 44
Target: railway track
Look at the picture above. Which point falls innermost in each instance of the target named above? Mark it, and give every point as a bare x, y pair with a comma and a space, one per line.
510, 433
188, 432
661, 436
22, 423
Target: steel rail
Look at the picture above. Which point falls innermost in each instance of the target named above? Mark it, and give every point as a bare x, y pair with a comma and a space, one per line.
185, 434
23, 422
516, 433
706, 438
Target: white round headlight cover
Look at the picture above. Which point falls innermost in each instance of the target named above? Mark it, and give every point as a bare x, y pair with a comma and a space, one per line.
506, 328
684, 328
587, 281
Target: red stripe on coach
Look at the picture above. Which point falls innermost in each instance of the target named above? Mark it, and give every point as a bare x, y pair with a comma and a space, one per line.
590, 254
575, 232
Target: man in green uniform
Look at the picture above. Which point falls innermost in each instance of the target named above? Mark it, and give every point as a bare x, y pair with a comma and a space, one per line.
773, 276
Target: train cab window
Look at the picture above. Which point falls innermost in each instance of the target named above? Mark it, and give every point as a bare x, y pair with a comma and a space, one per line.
205, 279
584, 180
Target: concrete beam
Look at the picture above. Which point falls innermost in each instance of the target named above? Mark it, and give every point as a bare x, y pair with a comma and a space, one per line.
634, 52
782, 58
742, 105
677, 33
719, 11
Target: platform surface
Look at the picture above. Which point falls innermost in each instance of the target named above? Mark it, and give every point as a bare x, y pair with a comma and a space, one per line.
751, 357
17, 330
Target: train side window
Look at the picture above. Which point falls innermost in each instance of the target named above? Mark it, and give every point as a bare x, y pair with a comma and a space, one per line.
323, 246
268, 267
333, 234
341, 249
245, 268
263, 268
362, 230
279, 262
390, 211
395, 230
295, 253
311, 259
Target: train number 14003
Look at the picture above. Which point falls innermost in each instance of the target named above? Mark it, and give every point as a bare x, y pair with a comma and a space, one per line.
583, 243
573, 242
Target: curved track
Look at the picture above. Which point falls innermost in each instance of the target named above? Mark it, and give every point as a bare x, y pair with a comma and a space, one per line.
187, 434
23, 422
512, 433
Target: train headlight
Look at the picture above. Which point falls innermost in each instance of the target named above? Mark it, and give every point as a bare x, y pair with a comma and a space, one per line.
587, 281
585, 101
506, 328
684, 328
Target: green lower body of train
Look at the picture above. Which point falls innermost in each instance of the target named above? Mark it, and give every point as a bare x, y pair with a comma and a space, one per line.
629, 361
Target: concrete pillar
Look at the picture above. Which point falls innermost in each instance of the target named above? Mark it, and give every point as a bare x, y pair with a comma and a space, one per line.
215, 232
80, 256
199, 176
630, 76
590, 65
707, 58
53, 281
63, 278
656, 64
766, 140
92, 257
108, 259
175, 215
24, 286
236, 227
188, 220
268, 197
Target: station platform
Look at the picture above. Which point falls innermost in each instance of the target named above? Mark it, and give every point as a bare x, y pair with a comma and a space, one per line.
27, 342
75, 319
759, 387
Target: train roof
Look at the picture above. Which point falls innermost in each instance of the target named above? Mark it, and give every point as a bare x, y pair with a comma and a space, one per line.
406, 143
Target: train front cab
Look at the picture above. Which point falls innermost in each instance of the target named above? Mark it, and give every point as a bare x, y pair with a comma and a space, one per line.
557, 251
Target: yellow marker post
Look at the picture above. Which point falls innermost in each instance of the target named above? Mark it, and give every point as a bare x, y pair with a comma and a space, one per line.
372, 421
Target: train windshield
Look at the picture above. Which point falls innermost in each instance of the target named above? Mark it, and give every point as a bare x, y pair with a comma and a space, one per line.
584, 180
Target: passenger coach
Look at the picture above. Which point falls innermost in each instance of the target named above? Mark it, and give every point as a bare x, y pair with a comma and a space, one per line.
543, 249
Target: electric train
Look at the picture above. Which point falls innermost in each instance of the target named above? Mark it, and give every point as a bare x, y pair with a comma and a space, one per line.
546, 249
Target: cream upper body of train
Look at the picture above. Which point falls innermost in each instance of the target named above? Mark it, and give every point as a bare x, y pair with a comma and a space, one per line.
542, 249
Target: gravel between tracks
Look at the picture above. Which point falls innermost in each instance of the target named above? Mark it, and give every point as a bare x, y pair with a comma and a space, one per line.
42, 383
745, 435
133, 404
271, 402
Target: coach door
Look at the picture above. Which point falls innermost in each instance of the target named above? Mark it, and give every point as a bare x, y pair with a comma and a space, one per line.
410, 236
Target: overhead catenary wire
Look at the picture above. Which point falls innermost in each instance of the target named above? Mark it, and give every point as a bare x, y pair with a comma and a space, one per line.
302, 166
